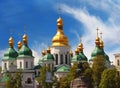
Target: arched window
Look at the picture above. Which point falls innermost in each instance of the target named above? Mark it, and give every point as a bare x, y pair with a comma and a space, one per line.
66, 59
56, 57
26, 64
20, 64
117, 62
5, 65
29, 81
61, 59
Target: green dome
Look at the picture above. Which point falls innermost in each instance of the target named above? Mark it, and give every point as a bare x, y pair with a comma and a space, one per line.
25, 51
76, 58
10, 54
83, 57
40, 60
106, 57
48, 56
97, 51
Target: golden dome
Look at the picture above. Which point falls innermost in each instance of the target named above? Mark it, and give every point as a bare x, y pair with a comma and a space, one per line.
59, 22
76, 50
25, 40
19, 45
80, 47
48, 50
43, 52
101, 44
97, 41
60, 39
11, 42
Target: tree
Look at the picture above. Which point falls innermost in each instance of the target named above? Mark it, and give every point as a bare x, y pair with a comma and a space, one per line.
14, 81
73, 73
110, 79
87, 73
10, 81
64, 83
99, 65
18, 79
42, 78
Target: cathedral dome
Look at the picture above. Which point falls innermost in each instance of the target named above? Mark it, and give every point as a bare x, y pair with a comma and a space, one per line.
10, 53
83, 57
25, 51
60, 39
48, 56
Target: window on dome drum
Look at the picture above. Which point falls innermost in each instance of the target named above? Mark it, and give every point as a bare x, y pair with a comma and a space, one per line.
56, 56
29, 81
66, 59
117, 62
20, 64
5, 65
61, 59
26, 64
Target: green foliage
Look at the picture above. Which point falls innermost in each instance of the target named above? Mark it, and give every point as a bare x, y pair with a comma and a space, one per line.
41, 79
110, 79
98, 67
64, 83
87, 73
14, 81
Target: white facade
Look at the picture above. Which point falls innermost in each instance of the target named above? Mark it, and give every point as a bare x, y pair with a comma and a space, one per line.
61, 54
25, 63
6, 64
117, 61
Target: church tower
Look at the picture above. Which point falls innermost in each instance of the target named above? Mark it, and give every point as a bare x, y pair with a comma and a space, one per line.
10, 56
60, 47
25, 58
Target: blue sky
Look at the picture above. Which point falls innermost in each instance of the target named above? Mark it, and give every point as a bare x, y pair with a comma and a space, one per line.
81, 17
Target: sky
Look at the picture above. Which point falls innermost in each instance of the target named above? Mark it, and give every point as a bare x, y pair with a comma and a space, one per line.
80, 17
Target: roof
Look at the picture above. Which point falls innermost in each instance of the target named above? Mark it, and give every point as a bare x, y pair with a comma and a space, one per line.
63, 68
4, 79
10, 54
83, 57
25, 51
48, 56
37, 67
76, 58
97, 51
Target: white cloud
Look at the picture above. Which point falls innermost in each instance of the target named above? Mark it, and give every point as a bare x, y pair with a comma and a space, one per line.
37, 49
109, 27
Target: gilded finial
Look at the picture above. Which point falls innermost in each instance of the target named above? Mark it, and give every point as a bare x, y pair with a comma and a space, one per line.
76, 51
11, 41
25, 40
97, 31
48, 50
97, 41
43, 53
19, 45
101, 42
80, 46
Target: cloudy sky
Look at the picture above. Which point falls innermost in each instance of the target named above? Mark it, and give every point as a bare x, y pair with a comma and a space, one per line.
81, 18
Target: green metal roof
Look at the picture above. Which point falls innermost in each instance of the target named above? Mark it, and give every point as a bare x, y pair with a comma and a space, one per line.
76, 58
10, 54
4, 79
83, 57
37, 67
48, 56
63, 68
25, 51
97, 51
